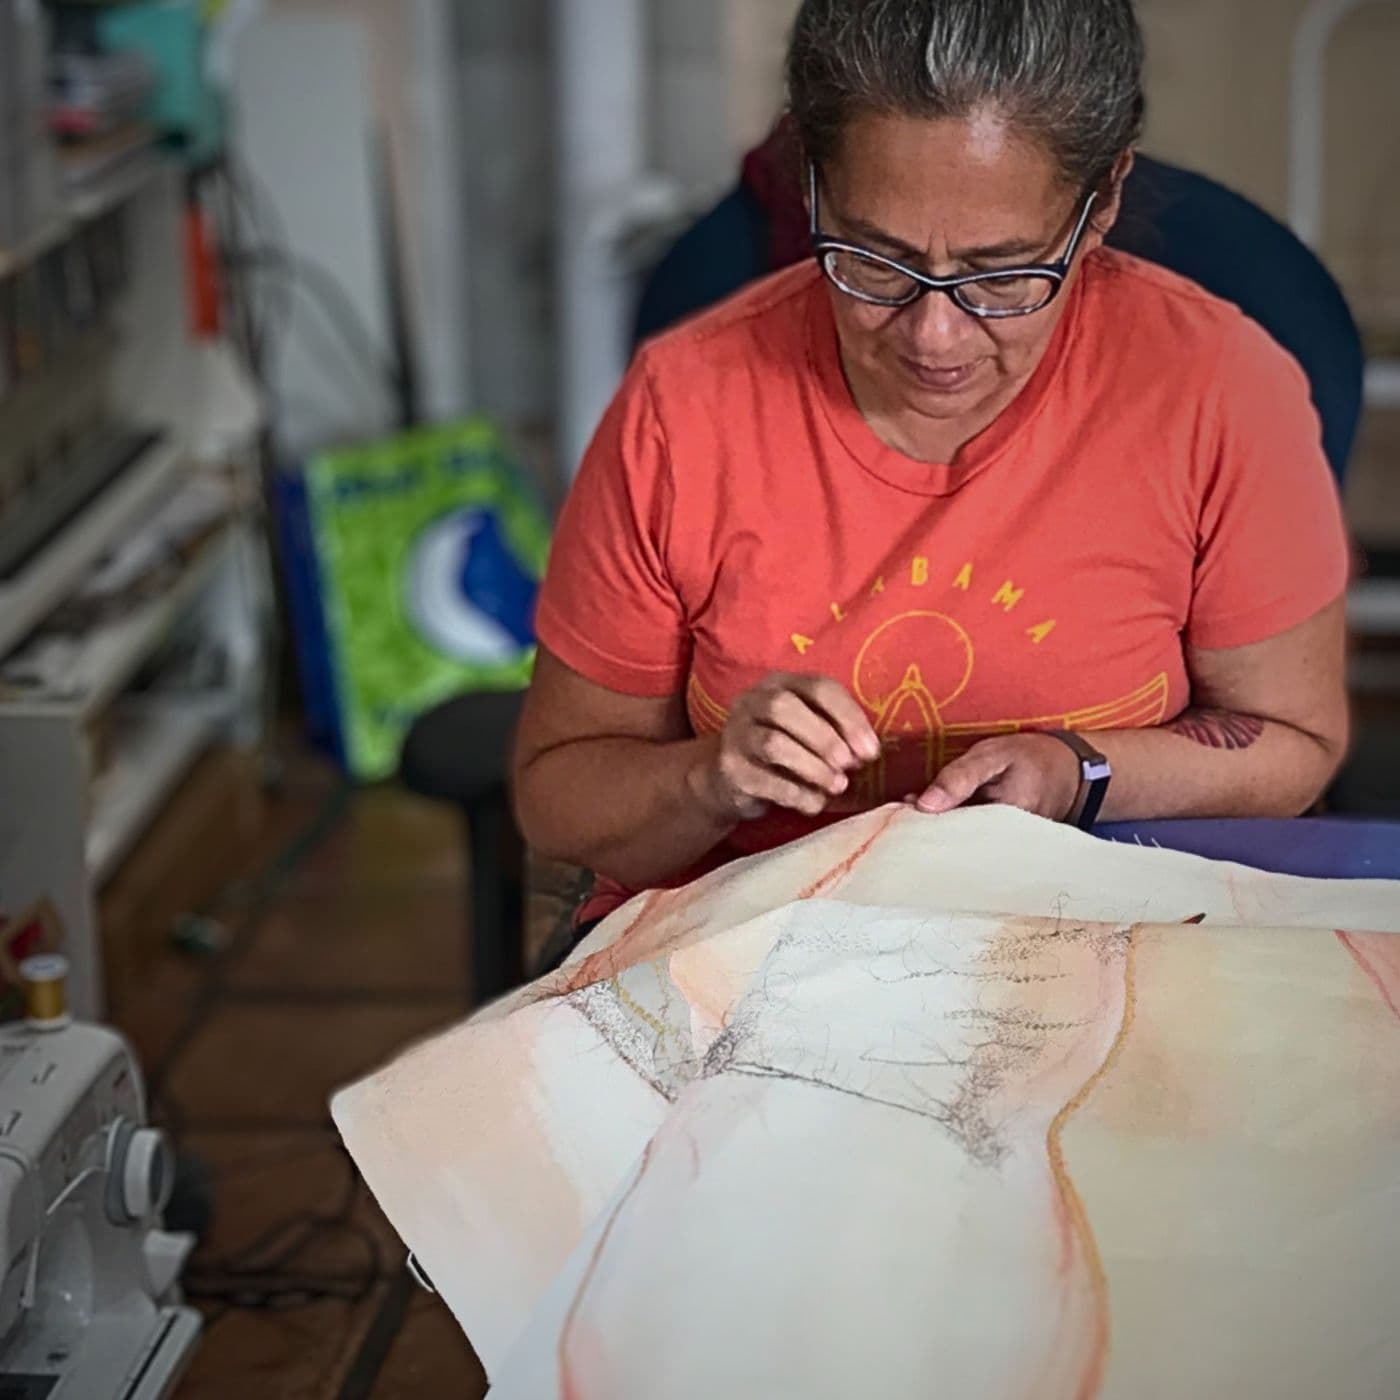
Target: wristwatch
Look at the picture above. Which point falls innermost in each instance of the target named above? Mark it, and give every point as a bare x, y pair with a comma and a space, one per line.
1095, 774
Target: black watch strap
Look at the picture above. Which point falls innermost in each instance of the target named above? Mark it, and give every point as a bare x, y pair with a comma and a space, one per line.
1095, 774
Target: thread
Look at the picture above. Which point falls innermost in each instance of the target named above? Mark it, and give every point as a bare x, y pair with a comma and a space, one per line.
45, 981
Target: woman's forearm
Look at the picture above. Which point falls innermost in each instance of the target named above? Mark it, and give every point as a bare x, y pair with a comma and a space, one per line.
1216, 763
630, 809
637, 810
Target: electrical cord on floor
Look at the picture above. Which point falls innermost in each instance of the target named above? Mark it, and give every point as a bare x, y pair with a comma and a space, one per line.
246, 901
268, 1274
264, 1276
275, 1159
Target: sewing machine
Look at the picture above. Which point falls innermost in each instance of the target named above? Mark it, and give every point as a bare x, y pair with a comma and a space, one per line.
88, 1303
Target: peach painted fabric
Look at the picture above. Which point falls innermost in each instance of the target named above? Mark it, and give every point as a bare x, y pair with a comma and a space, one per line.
924, 1106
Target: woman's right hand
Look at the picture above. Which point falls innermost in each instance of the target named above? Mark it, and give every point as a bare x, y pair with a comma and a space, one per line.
792, 741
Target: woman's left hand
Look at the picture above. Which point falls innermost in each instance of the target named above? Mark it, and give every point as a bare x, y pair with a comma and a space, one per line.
1031, 771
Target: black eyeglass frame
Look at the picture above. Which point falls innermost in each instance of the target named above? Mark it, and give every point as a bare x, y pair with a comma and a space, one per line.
1056, 273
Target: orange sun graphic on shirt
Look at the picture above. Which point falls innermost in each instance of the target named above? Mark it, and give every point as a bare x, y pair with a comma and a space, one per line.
913, 668
884, 678
907, 699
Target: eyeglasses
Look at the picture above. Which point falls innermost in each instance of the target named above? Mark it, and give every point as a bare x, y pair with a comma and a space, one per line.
881, 281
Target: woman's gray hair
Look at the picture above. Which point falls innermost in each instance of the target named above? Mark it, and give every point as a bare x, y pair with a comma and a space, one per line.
1065, 72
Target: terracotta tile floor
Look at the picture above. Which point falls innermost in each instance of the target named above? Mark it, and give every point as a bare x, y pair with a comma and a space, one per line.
340, 938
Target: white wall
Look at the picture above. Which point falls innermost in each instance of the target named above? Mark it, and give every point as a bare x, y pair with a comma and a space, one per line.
506, 115
691, 134
505, 119
1218, 92
756, 33
302, 126
329, 96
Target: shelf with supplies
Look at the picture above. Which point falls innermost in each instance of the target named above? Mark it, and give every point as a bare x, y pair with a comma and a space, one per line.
83, 207
135, 590
153, 742
33, 592
143, 653
81, 663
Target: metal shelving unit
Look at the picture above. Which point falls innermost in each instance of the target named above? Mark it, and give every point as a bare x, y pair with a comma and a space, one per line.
98, 726
96, 666
102, 198
86, 762
27, 599
155, 741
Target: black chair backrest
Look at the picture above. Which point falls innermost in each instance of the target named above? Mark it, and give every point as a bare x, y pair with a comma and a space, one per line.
1197, 227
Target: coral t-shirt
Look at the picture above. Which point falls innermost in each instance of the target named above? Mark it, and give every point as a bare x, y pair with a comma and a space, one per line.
1159, 482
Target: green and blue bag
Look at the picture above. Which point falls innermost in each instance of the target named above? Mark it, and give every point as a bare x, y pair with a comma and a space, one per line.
428, 552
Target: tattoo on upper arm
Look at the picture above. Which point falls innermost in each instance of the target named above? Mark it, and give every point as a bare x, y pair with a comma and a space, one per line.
1218, 729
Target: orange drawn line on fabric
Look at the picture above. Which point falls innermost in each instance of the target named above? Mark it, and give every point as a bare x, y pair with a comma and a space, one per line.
1371, 970
839, 872
604, 965
1074, 1214
569, 1388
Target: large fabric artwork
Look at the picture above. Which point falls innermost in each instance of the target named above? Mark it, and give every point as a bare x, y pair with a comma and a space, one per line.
972, 1105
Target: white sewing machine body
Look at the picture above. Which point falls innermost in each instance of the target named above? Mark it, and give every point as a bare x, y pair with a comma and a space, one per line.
88, 1303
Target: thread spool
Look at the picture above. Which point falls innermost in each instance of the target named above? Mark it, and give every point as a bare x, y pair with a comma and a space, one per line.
45, 981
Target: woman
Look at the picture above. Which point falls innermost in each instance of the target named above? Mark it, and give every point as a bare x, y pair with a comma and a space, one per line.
968, 508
